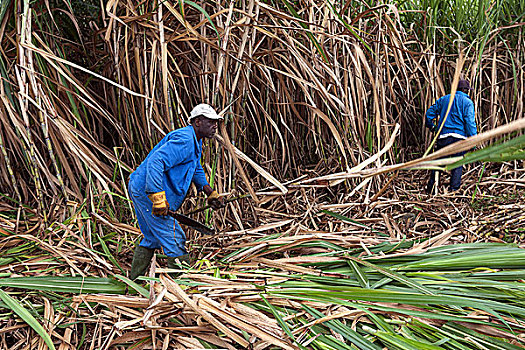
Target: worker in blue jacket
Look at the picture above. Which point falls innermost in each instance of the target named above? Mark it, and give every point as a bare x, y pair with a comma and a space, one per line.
161, 182
459, 124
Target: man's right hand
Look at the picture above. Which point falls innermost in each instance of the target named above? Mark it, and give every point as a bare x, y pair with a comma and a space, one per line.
160, 204
216, 201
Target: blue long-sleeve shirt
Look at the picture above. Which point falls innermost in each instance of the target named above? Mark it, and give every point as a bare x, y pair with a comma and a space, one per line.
461, 120
171, 166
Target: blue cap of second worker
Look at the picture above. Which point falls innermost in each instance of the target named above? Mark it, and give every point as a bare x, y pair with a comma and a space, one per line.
464, 85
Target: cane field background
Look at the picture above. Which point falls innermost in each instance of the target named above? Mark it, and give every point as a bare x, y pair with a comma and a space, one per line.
329, 240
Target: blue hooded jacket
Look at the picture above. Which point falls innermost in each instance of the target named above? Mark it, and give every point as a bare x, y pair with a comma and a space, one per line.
171, 166
461, 118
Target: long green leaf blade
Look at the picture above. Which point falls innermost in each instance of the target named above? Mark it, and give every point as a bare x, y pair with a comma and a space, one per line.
14, 305
66, 284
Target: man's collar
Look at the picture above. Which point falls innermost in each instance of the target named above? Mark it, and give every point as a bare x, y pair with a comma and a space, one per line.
197, 143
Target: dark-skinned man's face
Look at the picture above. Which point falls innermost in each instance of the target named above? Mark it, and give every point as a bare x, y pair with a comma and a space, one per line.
206, 127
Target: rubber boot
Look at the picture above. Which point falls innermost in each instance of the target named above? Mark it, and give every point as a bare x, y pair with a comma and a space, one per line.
141, 259
172, 264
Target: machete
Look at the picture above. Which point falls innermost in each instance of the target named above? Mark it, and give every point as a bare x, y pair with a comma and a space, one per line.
183, 219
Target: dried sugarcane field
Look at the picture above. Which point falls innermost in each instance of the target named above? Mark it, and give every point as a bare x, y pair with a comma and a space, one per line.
330, 234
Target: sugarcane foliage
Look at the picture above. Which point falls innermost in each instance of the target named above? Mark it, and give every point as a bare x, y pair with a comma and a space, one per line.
510, 150
300, 85
303, 273
15, 306
418, 296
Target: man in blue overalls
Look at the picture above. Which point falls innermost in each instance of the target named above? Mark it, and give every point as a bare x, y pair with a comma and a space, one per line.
161, 182
458, 125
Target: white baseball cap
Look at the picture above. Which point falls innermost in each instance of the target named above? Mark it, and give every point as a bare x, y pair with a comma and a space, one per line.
205, 110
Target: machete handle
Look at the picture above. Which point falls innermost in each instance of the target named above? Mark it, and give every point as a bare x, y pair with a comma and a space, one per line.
225, 202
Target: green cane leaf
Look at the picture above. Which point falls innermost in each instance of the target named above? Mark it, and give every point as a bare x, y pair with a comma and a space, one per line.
14, 305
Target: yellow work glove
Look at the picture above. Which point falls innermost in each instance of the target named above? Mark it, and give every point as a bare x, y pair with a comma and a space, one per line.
160, 204
215, 200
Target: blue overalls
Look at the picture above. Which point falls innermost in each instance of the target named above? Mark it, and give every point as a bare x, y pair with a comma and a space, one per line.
170, 166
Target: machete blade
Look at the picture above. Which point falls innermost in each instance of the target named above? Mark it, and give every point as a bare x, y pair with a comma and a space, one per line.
183, 219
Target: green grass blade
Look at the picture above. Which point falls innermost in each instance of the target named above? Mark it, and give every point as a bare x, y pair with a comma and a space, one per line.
108, 254
401, 342
308, 33
359, 274
203, 11
325, 342
281, 322
348, 333
332, 293
511, 150
141, 290
66, 284
4, 4
493, 258
462, 332
394, 275
14, 305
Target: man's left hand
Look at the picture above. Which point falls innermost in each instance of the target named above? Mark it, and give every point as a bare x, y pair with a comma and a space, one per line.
215, 200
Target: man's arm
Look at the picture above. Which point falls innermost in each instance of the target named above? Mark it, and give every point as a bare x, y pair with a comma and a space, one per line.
470, 120
199, 179
432, 113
